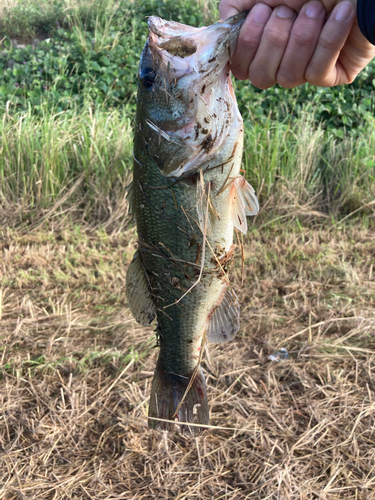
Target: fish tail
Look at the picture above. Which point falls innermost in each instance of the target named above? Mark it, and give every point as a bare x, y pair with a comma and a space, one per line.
168, 391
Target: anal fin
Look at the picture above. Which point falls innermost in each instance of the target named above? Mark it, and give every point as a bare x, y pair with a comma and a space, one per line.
223, 322
243, 202
138, 293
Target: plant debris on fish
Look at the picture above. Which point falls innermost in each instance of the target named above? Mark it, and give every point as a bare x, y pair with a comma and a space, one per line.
187, 196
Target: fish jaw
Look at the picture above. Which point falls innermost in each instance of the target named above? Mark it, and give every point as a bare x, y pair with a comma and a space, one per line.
188, 103
184, 51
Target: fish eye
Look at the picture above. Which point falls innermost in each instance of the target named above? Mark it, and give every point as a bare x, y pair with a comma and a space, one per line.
147, 77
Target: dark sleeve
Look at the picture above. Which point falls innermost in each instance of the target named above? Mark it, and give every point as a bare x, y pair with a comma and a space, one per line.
366, 18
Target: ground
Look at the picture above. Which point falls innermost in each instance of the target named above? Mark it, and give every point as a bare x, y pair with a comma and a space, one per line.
76, 371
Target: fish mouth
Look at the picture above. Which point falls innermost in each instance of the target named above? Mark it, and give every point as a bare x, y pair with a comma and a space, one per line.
182, 50
191, 104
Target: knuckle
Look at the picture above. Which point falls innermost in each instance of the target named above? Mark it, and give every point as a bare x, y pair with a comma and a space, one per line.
276, 36
240, 73
249, 43
284, 79
287, 83
240, 66
262, 85
327, 43
318, 79
303, 38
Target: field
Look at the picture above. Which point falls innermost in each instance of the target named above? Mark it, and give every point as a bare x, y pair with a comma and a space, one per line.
75, 367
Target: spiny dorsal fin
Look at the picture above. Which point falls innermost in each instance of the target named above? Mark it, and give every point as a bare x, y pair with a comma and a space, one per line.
243, 202
223, 322
138, 294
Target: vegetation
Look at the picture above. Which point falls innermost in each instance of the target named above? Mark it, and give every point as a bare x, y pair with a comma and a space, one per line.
91, 52
316, 143
75, 367
76, 370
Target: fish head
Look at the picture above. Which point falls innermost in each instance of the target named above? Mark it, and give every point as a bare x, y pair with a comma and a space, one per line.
185, 93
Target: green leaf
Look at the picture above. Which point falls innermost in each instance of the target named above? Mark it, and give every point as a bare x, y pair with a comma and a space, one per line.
102, 86
105, 60
95, 66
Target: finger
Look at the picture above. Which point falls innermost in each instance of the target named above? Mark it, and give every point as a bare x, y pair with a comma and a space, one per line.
249, 40
263, 69
322, 69
302, 42
229, 8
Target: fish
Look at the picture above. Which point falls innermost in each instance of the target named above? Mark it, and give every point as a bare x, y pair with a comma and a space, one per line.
187, 197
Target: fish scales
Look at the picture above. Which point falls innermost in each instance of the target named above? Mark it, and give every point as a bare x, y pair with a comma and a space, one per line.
187, 196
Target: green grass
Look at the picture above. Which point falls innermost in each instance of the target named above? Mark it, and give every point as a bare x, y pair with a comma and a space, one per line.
318, 171
43, 157
84, 159
68, 107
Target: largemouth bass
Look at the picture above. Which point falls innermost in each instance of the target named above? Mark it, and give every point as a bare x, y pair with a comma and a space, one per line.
187, 196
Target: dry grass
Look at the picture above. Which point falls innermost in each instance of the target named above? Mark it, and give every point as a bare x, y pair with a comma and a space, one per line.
76, 372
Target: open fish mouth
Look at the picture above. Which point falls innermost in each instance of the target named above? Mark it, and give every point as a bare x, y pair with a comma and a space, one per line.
185, 70
199, 51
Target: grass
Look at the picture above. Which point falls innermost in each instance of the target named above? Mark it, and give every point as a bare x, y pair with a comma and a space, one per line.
66, 133
59, 160
56, 161
76, 369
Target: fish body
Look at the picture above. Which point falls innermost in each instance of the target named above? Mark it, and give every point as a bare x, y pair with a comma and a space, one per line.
187, 197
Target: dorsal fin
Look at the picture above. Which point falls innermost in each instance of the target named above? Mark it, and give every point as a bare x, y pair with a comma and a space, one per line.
138, 293
243, 202
223, 322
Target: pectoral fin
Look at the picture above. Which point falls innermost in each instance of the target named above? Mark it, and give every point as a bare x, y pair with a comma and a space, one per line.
243, 202
223, 322
138, 293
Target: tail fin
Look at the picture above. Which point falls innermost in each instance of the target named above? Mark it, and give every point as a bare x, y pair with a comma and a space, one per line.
167, 392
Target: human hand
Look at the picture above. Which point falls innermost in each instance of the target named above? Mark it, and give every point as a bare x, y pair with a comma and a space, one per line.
290, 48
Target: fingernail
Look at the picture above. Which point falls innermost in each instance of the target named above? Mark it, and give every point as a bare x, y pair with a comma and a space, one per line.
261, 13
314, 9
344, 11
284, 12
